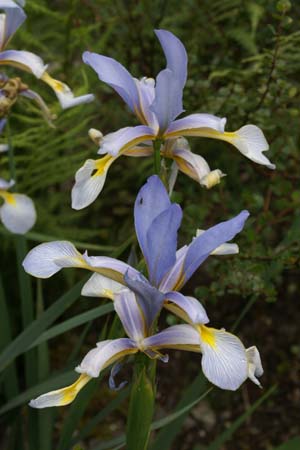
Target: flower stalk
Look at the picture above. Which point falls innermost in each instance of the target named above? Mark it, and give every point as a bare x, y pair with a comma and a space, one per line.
141, 405
157, 158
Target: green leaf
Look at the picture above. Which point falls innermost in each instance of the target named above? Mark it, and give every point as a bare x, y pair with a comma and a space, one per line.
10, 375
292, 444
31, 333
120, 440
167, 435
141, 409
74, 322
75, 413
111, 406
227, 434
45, 418
48, 385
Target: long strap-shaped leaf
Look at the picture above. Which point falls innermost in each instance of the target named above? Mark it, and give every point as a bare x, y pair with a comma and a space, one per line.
167, 434
218, 443
120, 440
49, 385
75, 321
33, 331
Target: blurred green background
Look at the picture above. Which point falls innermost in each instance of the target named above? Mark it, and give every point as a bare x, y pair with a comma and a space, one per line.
244, 64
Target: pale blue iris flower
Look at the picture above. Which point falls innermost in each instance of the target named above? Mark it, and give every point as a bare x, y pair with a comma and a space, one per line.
11, 19
225, 360
157, 104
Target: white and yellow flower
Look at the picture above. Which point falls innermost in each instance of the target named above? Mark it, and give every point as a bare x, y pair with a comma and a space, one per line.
17, 213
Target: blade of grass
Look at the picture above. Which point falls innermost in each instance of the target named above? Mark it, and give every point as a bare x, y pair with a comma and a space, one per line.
110, 407
10, 380
53, 383
40, 237
120, 440
32, 332
75, 413
74, 354
27, 313
80, 404
75, 321
45, 418
223, 437
166, 436
292, 444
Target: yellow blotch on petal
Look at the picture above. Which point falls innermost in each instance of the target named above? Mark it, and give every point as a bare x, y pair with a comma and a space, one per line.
55, 84
8, 197
70, 392
207, 335
102, 165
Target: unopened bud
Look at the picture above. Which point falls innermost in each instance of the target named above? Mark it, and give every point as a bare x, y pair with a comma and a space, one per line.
95, 135
211, 179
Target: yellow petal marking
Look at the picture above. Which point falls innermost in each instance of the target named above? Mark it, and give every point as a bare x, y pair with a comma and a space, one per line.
204, 132
55, 84
69, 393
207, 335
102, 165
8, 197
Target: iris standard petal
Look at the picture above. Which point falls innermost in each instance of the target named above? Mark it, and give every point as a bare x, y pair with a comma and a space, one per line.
149, 299
105, 354
182, 337
130, 314
10, 21
255, 368
161, 243
207, 242
168, 99
18, 212
125, 138
115, 75
187, 308
175, 54
23, 60
64, 94
152, 200
89, 181
60, 397
223, 249
146, 90
101, 286
224, 360
190, 257
46, 259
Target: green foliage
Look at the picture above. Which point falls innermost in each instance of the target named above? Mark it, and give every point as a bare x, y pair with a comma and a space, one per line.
244, 64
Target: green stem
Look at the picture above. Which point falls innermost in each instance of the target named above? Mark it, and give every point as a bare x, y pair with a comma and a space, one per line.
157, 159
141, 405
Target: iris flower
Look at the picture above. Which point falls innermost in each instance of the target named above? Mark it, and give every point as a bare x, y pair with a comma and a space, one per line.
225, 360
12, 18
157, 104
17, 213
